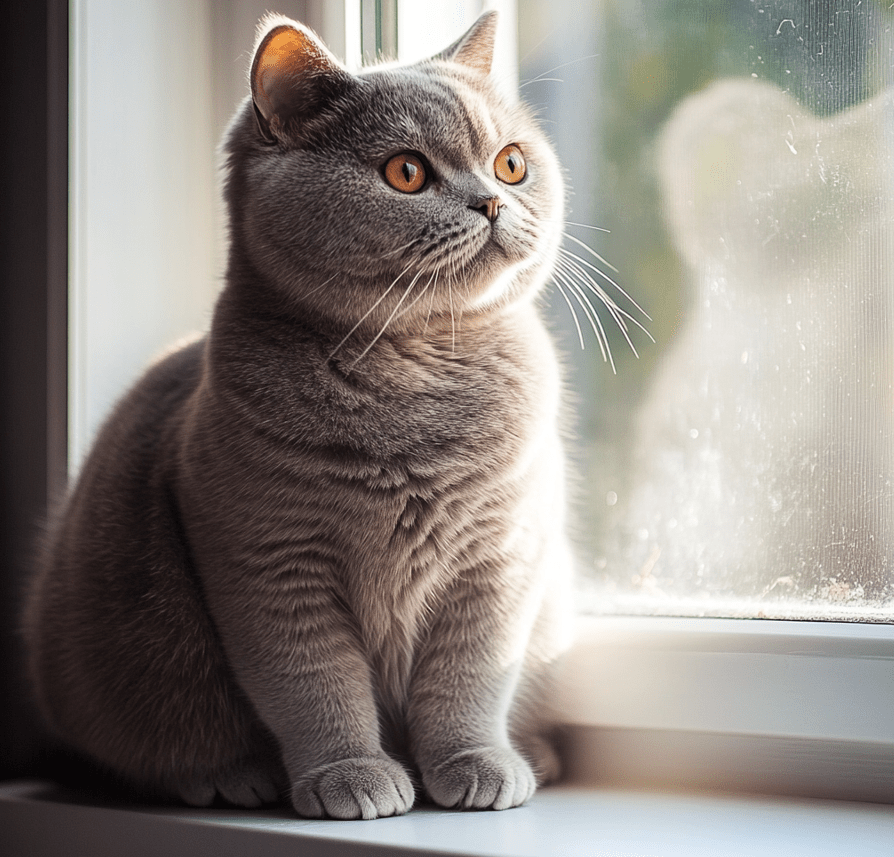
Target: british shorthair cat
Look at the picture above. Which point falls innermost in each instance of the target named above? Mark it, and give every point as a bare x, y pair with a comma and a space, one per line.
319, 554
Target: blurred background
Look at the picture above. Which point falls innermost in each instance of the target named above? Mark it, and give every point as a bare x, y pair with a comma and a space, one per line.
699, 480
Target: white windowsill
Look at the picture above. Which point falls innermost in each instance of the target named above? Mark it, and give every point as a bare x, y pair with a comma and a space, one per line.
723, 708
564, 821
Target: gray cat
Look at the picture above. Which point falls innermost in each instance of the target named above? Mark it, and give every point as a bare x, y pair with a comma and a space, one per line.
320, 551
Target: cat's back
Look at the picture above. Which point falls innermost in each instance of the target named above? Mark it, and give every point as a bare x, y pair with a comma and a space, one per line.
100, 551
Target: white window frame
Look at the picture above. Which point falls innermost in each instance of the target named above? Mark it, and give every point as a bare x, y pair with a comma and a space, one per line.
757, 705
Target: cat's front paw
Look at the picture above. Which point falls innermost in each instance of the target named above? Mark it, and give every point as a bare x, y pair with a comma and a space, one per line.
353, 788
485, 778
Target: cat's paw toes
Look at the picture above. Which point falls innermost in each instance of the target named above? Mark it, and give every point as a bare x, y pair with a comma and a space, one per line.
248, 786
486, 778
354, 788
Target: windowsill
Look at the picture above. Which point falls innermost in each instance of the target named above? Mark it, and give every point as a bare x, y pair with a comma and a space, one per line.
39, 821
736, 711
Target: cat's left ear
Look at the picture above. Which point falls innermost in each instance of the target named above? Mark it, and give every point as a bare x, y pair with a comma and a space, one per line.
293, 77
476, 48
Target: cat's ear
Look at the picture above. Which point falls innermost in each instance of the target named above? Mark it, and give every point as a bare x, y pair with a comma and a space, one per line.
293, 76
475, 49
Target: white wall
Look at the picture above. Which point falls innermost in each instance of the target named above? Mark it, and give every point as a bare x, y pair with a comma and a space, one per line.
153, 84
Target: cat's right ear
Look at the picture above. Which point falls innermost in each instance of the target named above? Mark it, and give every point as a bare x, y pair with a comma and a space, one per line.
293, 76
475, 48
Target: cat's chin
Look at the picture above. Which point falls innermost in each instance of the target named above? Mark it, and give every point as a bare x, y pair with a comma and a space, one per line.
516, 282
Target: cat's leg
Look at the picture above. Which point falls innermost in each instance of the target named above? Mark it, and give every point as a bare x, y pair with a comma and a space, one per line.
297, 656
128, 670
533, 721
463, 684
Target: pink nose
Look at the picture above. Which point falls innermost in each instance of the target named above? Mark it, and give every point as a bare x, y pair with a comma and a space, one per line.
490, 208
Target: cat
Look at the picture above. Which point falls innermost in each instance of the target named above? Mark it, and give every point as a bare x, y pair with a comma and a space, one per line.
319, 553
765, 464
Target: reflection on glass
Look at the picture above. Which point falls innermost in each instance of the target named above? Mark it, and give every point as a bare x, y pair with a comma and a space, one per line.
741, 154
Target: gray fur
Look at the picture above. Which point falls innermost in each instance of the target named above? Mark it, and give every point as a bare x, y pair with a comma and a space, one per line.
320, 551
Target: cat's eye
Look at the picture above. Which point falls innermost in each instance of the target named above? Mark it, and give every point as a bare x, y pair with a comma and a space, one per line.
405, 172
509, 165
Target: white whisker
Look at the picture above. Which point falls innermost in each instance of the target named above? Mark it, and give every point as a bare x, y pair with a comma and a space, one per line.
452, 319
573, 262
322, 285
605, 262
399, 249
416, 300
431, 304
453, 279
541, 80
563, 65
366, 314
592, 316
613, 309
595, 229
387, 322
580, 334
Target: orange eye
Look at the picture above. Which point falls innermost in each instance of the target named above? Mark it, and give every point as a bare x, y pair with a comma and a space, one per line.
405, 172
509, 165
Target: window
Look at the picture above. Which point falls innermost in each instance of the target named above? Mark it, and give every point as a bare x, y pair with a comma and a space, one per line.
633, 74
740, 155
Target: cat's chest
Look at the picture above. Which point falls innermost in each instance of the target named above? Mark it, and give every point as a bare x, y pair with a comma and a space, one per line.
391, 463
410, 406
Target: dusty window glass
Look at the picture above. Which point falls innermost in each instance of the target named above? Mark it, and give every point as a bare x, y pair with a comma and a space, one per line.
740, 154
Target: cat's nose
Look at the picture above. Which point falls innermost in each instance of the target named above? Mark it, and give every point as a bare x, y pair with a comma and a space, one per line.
488, 206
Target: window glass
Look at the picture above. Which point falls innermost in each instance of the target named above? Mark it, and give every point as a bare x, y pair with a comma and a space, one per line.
739, 153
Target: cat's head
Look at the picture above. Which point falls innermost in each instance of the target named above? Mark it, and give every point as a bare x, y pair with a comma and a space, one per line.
414, 193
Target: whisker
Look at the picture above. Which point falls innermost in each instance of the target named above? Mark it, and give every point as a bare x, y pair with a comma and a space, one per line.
605, 262
418, 297
452, 319
387, 322
601, 272
323, 284
431, 304
572, 265
618, 313
595, 322
563, 65
580, 334
593, 317
613, 309
594, 228
578, 263
399, 249
450, 281
366, 314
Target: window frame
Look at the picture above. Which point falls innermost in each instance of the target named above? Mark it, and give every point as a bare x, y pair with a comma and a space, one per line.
614, 693
757, 705
33, 322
